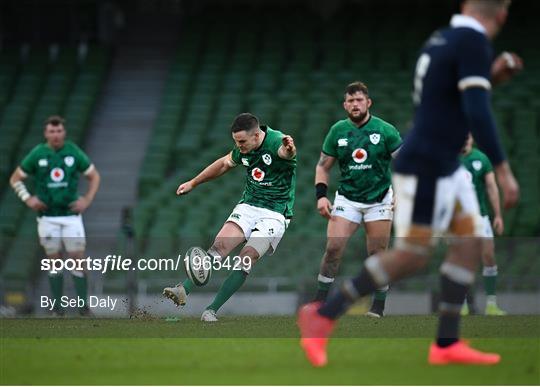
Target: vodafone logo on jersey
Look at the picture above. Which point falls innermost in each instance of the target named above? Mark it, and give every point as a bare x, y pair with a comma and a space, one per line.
257, 174
57, 174
359, 155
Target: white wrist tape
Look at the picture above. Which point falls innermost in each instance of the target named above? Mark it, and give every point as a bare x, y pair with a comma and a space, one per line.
21, 191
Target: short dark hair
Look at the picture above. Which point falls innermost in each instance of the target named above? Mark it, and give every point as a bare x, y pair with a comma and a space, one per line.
244, 121
54, 121
356, 87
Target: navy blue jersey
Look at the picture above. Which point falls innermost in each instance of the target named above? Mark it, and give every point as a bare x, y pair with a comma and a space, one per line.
452, 60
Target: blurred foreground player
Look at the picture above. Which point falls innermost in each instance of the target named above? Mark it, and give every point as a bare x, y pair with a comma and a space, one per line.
433, 194
482, 175
363, 145
56, 165
262, 215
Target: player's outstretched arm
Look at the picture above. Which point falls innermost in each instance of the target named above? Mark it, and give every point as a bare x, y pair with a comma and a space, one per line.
83, 202
322, 177
17, 183
214, 170
287, 150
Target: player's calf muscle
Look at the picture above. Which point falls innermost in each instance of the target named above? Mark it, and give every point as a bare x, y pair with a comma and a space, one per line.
330, 266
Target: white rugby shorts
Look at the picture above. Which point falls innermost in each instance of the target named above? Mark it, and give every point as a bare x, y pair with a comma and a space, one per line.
361, 212
262, 227
55, 230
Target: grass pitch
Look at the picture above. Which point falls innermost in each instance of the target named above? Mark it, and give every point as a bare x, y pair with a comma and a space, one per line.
257, 350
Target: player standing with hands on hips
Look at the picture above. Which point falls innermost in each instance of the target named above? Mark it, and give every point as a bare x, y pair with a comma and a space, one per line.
56, 165
452, 84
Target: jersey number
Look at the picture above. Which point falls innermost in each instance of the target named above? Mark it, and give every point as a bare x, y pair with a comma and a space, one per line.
420, 72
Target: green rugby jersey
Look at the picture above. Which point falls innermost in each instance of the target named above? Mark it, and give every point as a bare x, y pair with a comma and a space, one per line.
270, 180
56, 175
364, 155
478, 166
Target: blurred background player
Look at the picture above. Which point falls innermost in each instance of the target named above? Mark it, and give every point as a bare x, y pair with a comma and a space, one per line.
262, 215
363, 145
56, 165
452, 94
483, 178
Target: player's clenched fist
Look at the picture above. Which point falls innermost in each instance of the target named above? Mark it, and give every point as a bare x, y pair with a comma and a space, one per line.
505, 66
324, 207
288, 143
287, 150
184, 188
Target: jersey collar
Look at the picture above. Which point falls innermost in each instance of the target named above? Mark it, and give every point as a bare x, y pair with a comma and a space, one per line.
264, 128
459, 20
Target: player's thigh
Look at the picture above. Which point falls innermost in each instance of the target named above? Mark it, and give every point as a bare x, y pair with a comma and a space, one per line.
378, 223
50, 236
346, 209
73, 236
377, 235
338, 233
230, 236
266, 235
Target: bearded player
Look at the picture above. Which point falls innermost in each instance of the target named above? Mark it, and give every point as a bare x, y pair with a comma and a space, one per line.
363, 145
452, 84
264, 211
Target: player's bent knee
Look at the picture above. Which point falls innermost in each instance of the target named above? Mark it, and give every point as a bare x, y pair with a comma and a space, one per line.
218, 248
258, 243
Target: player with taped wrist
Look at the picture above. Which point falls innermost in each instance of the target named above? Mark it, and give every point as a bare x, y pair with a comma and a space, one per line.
264, 211
56, 166
433, 193
363, 146
481, 173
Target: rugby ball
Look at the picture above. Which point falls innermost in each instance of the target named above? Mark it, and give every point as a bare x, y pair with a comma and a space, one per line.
198, 266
